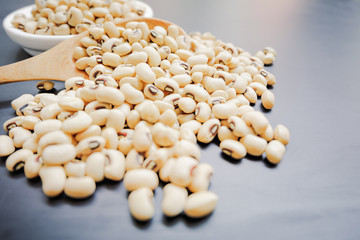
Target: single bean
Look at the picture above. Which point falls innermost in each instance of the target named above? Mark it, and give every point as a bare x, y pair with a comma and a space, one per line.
138, 178
201, 177
51, 156
282, 134
233, 148
19, 135
53, 180
141, 204
268, 99
32, 166
6, 146
275, 151
79, 187
174, 200
200, 204
254, 145
208, 130
75, 168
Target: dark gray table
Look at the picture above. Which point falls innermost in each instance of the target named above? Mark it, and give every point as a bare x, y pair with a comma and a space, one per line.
314, 193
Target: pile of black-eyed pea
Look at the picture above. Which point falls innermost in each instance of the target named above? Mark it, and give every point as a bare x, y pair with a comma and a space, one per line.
151, 95
70, 17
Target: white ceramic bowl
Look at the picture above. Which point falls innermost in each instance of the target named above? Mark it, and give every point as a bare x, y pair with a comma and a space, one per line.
35, 44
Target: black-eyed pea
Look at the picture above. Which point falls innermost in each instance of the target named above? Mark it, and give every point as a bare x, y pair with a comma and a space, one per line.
269, 50
142, 177
134, 36
135, 58
224, 110
95, 164
186, 148
233, 148
156, 159
197, 77
167, 85
268, 135
168, 117
275, 151
195, 92
133, 119
133, 81
259, 78
111, 30
17, 159
111, 59
29, 122
62, 29
134, 160
185, 117
96, 71
193, 125
106, 80
254, 145
269, 58
238, 126
172, 99
182, 171
165, 171
153, 93
53, 180
156, 37
75, 168
90, 145
187, 134
69, 103
114, 165
154, 59
125, 145
99, 12
79, 187
13, 122
256, 120
110, 95
197, 59
201, 177
268, 99
163, 135
96, 106
150, 113
182, 79
21, 101
242, 100
93, 130
225, 133
32, 166
76, 123
174, 200
202, 112
165, 64
141, 204
74, 16
270, 78
132, 95
187, 105
145, 73
183, 42
142, 139
122, 49
258, 88
200, 204
221, 93
282, 134
6, 146
52, 138
111, 138
250, 95
51, 156
96, 32
163, 106
19, 135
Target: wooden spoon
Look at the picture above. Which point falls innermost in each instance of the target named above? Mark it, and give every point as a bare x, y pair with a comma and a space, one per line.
58, 63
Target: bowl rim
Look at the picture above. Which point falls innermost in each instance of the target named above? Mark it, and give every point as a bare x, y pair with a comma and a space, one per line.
30, 36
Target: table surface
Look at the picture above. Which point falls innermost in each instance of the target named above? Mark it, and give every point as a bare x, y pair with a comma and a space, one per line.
314, 193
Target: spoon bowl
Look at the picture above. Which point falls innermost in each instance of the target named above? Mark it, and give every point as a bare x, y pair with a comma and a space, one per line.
58, 63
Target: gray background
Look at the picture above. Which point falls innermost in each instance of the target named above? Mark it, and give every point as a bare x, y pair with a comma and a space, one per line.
314, 193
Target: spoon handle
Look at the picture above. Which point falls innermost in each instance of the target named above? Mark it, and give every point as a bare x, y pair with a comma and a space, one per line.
55, 64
